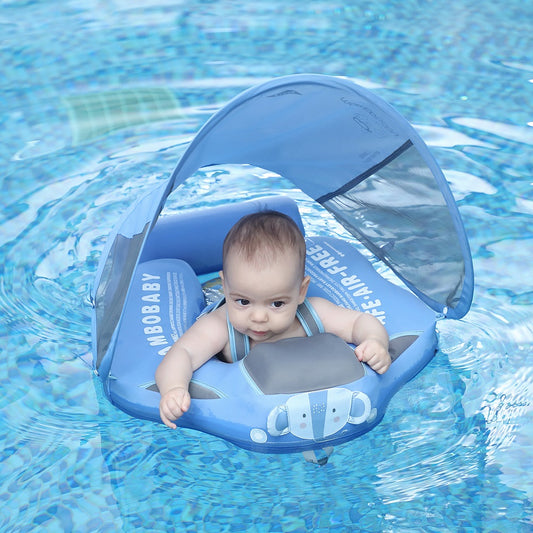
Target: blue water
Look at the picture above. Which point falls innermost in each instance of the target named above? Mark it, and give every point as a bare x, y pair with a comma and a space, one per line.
455, 450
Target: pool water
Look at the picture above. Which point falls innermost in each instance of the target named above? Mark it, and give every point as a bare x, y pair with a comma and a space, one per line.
98, 101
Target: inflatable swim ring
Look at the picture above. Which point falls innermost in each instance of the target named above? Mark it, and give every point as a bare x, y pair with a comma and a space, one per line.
306, 394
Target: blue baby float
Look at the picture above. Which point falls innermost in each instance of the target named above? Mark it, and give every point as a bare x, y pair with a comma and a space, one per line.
357, 157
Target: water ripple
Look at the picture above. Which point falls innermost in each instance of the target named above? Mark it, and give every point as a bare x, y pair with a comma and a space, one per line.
489, 349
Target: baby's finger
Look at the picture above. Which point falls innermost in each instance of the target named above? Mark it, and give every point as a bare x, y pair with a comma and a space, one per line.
364, 353
170, 411
380, 368
359, 353
382, 364
166, 421
185, 403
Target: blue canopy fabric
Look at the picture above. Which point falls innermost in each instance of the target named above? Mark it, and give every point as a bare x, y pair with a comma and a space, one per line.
347, 149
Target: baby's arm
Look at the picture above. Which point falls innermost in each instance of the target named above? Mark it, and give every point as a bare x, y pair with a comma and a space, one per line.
361, 329
372, 342
205, 338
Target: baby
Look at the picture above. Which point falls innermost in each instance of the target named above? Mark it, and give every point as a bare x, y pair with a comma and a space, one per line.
264, 284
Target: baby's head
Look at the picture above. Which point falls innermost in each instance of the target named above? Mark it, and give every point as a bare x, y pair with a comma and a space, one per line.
262, 237
263, 275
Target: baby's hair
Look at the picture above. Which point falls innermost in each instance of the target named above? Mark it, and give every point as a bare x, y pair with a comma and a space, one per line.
257, 237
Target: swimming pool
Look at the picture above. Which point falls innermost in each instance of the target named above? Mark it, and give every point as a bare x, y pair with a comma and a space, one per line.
98, 101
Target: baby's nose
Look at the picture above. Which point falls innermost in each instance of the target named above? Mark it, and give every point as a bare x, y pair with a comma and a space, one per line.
259, 314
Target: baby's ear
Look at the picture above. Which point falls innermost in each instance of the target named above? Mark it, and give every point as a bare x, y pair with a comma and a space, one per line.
303, 288
221, 276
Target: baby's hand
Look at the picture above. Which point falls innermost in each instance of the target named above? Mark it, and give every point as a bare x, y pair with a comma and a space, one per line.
375, 354
173, 404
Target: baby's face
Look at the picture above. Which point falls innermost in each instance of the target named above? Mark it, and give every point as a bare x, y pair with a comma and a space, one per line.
262, 299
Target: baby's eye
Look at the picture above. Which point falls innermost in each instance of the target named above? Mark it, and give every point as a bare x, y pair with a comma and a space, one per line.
242, 301
278, 303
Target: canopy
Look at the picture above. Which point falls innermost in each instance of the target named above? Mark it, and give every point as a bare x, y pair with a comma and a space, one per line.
347, 149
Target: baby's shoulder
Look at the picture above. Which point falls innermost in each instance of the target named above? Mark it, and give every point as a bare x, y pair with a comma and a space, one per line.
209, 329
215, 318
318, 303
327, 309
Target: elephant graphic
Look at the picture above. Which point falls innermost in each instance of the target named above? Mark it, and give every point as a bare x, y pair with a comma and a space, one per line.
317, 414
